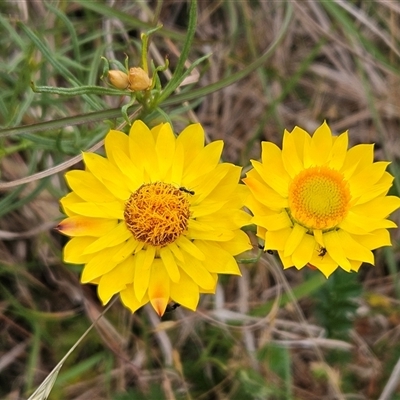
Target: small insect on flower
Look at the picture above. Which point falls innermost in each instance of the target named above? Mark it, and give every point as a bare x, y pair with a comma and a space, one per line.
172, 307
183, 189
261, 247
322, 251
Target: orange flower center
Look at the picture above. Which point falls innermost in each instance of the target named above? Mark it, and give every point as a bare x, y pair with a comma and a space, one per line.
319, 198
157, 213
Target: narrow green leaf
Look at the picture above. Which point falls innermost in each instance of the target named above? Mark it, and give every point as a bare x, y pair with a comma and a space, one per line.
229, 80
176, 77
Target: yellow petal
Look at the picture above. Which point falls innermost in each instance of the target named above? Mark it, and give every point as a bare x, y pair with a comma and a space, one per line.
357, 159
335, 250
165, 149
129, 299
116, 280
69, 200
178, 164
86, 226
277, 240
366, 224
113, 210
126, 250
196, 270
264, 194
142, 149
176, 251
203, 231
271, 156
116, 140
339, 151
372, 192
87, 187
189, 247
374, 239
217, 259
116, 236
73, 250
238, 244
205, 161
296, 236
321, 144
367, 178
133, 175
273, 222
328, 269
278, 183
108, 174
354, 250
143, 263
303, 252
99, 264
380, 207
292, 150
355, 265
226, 219
192, 141
159, 287
205, 184
185, 292
169, 261
210, 290
228, 183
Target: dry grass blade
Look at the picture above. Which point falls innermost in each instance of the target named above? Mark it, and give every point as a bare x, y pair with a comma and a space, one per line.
392, 384
43, 391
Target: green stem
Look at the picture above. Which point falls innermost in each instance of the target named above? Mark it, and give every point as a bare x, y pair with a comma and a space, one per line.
76, 91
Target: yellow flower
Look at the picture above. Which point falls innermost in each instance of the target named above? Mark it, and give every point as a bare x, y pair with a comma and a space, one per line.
319, 204
156, 220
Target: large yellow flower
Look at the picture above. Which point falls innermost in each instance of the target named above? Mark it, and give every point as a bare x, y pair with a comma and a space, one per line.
319, 204
157, 219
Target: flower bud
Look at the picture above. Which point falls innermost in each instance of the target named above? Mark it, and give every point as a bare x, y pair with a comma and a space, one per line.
118, 79
138, 79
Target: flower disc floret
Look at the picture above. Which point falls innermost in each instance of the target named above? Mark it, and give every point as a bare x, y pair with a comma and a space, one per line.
318, 198
157, 213
320, 204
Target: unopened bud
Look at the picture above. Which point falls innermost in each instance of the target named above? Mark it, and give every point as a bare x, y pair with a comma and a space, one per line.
138, 79
118, 79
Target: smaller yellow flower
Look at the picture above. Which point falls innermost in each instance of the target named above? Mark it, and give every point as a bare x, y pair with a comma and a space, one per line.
157, 219
318, 203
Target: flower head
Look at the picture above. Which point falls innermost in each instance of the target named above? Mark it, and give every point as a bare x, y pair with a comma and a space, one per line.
138, 79
157, 219
118, 79
318, 203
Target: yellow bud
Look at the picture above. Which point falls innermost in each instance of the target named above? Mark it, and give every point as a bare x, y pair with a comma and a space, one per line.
138, 79
118, 79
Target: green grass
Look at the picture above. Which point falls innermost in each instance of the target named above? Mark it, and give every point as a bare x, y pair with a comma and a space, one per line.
258, 67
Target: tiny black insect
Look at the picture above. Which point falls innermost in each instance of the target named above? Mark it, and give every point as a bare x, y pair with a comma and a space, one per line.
172, 307
183, 189
261, 247
322, 251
